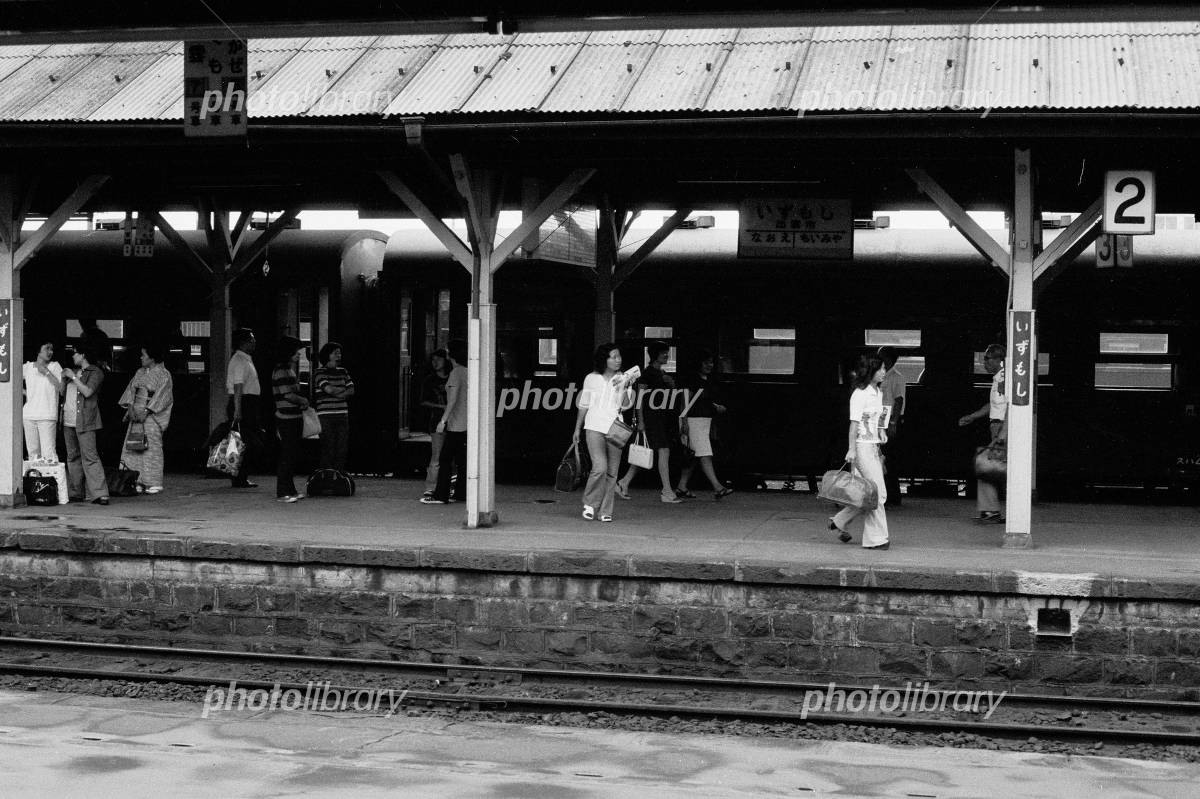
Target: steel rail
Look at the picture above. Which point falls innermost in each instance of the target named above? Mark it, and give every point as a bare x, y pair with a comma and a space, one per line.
591, 678
516, 704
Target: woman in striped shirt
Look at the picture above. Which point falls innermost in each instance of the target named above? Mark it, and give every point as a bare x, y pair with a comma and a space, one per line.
289, 402
332, 386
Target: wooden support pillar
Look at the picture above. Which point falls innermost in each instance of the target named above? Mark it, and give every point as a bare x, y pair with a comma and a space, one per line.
220, 331
16, 250
1018, 511
606, 265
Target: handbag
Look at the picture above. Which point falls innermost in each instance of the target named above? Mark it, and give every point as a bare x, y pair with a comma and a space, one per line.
848, 488
312, 423
640, 454
570, 471
135, 437
618, 434
329, 483
991, 463
684, 440
228, 454
40, 489
122, 481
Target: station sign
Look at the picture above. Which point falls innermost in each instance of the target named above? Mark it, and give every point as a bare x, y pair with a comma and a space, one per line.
796, 228
139, 236
6, 307
1129, 202
1020, 358
1114, 251
214, 87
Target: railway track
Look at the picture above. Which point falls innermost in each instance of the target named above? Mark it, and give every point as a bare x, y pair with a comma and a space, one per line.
1096, 721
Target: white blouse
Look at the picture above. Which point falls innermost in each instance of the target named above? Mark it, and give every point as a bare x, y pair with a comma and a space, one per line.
866, 408
603, 400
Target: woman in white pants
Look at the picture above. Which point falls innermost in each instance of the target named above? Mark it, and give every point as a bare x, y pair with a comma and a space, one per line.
866, 410
43, 385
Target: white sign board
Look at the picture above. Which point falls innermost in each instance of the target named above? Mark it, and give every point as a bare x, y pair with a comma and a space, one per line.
1129, 202
214, 87
795, 228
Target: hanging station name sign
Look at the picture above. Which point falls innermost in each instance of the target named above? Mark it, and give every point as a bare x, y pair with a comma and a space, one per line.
214, 87
796, 228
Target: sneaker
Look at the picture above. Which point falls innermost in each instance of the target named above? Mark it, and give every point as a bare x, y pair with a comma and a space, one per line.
606, 518
431, 500
427, 495
289, 498
670, 499
154, 490
989, 517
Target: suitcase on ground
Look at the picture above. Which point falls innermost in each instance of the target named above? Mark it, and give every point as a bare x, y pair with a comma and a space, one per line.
40, 489
329, 483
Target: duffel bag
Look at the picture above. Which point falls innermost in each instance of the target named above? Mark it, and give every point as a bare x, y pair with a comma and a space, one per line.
849, 488
329, 483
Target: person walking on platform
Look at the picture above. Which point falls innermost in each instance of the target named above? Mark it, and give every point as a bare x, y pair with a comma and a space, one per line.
289, 403
656, 419
604, 395
453, 425
148, 401
433, 397
242, 410
81, 421
865, 436
895, 389
332, 386
699, 421
995, 410
39, 416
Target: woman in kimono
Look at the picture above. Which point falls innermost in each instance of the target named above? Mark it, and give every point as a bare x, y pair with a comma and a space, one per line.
148, 400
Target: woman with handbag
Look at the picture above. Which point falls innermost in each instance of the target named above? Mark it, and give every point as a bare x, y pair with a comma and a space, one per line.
289, 406
865, 436
605, 394
148, 401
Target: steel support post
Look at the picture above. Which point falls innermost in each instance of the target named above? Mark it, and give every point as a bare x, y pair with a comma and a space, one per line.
1019, 505
481, 393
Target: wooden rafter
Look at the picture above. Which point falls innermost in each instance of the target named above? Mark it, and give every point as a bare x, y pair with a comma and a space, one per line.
195, 261
1077, 237
554, 201
979, 238
256, 248
449, 239
630, 264
77, 199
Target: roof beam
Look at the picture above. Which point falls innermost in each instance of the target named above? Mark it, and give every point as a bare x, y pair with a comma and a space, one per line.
449, 239
1074, 239
78, 198
532, 221
247, 256
979, 238
195, 261
630, 265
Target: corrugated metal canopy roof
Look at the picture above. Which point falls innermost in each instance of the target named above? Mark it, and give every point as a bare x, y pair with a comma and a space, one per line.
726, 70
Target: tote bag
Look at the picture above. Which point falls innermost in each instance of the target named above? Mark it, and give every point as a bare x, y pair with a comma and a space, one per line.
641, 455
312, 423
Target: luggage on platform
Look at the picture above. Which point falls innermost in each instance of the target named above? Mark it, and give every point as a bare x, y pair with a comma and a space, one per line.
329, 483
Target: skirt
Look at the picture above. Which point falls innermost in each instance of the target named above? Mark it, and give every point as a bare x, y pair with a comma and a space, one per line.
698, 438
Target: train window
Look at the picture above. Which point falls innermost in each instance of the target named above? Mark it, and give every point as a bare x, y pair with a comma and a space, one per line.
195, 329
1133, 343
892, 338
114, 328
195, 367
195, 350
547, 358
772, 351
1135, 376
912, 367
663, 334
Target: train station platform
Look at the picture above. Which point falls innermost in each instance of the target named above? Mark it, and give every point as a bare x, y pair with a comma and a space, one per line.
1108, 600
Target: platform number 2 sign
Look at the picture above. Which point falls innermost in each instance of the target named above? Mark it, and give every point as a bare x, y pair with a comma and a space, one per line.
1129, 202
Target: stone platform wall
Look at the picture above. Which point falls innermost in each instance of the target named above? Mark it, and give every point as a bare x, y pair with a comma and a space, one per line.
577, 610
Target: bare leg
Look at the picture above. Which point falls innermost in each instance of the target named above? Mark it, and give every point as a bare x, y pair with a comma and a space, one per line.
664, 469
707, 467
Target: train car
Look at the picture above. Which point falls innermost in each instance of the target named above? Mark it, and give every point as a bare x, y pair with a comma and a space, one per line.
312, 284
1119, 350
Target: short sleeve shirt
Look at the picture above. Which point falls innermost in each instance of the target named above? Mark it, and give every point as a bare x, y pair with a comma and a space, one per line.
241, 370
456, 419
41, 398
603, 401
866, 408
997, 404
894, 387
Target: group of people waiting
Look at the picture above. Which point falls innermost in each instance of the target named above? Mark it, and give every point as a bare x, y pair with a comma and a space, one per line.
70, 398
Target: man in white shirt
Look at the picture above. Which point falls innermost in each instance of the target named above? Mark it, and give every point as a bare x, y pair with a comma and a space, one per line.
244, 390
987, 497
43, 384
895, 389
454, 425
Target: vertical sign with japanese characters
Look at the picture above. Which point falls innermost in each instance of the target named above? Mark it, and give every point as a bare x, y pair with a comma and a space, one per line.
796, 228
1020, 333
5, 340
214, 87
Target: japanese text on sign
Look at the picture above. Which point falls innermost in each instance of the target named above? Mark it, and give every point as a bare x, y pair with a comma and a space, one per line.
214, 87
795, 228
5, 341
1020, 334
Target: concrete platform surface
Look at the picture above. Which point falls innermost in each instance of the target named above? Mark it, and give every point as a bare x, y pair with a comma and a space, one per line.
67, 746
1089, 549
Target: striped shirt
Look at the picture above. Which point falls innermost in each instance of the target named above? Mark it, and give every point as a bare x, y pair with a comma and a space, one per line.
335, 378
284, 382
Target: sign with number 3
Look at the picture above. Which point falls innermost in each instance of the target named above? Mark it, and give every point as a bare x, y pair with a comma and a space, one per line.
1129, 202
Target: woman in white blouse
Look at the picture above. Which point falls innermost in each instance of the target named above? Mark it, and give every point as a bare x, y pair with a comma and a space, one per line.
865, 436
605, 394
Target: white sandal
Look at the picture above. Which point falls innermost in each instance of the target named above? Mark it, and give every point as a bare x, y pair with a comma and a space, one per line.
606, 518
589, 512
